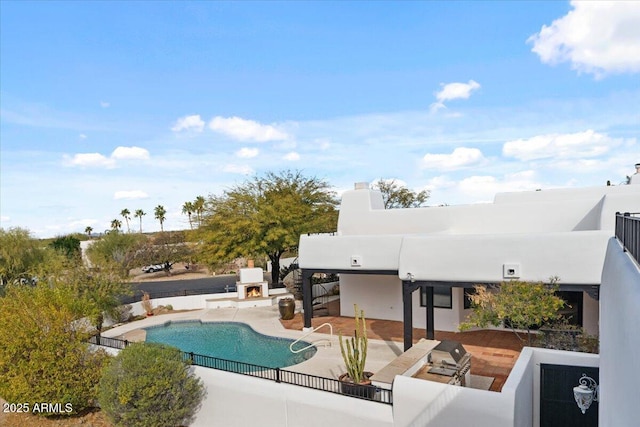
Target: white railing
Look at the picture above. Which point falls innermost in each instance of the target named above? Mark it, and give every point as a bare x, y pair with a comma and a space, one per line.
327, 342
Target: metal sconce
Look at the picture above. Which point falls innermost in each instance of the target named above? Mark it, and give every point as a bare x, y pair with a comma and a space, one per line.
586, 392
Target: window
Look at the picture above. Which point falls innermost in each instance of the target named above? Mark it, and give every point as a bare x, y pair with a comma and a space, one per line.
441, 297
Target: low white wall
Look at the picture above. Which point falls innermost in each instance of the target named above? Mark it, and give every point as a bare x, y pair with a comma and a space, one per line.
190, 302
619, 339
520, 385
239, 400
419, 403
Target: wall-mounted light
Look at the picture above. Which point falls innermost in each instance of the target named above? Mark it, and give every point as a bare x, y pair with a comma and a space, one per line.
586, 392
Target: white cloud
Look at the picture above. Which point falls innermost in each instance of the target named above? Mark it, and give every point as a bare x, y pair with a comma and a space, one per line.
105, 104
596, 37
439, 182
247, 153
90, 159
567, 146
292, 156
5, 218
189, 123
100, 160
82, 136
239, 169
246, 130
130, 195
485, 187
130, 153
452, 91
460, 157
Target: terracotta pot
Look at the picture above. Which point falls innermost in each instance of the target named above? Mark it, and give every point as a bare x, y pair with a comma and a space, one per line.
362, 389
287, 308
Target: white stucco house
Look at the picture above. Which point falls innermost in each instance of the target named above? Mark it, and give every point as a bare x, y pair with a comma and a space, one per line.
384, 255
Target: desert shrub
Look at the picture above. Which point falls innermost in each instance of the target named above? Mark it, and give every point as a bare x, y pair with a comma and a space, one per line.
149, 385
44, 356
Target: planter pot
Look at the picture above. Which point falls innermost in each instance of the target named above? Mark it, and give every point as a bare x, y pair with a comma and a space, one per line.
287, 308
363, 389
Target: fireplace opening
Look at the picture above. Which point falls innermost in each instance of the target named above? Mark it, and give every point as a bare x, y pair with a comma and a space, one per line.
254, 291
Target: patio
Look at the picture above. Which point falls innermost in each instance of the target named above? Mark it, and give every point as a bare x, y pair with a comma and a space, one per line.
493, 352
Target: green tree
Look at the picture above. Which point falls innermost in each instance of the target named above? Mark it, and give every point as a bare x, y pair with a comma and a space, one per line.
160, 214
44, 356
199, 207
396, 195
20, 255
126, 214
88, 230
116, 224
101, 290
116, 250
516, 304
149, 385
139, 214
188, 208
266, 215
69, 246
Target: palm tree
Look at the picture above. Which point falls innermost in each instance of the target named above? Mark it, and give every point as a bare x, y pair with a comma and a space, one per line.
88, 230
198, 206
116, 224
139, 214
127, 216
160, 213
188, 209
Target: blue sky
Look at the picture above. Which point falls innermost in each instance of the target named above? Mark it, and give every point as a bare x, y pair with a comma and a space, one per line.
113, 105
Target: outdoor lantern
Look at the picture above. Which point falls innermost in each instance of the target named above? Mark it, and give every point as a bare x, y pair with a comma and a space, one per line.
585, 392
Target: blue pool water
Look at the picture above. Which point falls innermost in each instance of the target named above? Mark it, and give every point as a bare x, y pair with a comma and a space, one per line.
230, 341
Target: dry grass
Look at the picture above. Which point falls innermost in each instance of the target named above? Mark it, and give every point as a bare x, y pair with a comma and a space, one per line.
88, 419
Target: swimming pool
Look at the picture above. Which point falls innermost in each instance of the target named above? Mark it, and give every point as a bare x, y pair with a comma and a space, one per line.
231, 341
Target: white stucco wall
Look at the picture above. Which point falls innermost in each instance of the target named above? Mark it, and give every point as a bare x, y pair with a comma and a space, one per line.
590, 314
574, 257
419, 403
619, 339
381, 298
239, 400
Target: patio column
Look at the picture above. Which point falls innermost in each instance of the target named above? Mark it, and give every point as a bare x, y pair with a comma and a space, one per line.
307, 297
431, 335
407, 312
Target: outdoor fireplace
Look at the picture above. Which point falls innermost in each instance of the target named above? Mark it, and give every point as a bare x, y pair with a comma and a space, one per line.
251, 284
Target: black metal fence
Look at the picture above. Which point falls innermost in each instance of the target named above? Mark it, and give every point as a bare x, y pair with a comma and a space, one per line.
366, 392
628, 232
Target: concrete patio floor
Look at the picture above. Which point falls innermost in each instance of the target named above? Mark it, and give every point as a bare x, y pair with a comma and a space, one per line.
493, 352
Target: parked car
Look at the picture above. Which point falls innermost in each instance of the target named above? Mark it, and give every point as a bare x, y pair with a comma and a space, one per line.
157, 267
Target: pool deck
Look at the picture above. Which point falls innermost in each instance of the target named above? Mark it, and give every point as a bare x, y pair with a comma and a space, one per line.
493, 352
326, 363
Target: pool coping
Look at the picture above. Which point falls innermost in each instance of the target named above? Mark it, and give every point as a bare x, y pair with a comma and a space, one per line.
327, 362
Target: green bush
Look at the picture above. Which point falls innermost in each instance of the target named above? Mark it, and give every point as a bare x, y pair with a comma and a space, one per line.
149, 385
44, 356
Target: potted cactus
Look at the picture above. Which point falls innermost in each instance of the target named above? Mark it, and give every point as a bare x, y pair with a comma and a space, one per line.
354, 353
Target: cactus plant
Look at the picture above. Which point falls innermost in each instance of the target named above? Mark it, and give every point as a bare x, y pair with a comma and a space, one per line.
354, 349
